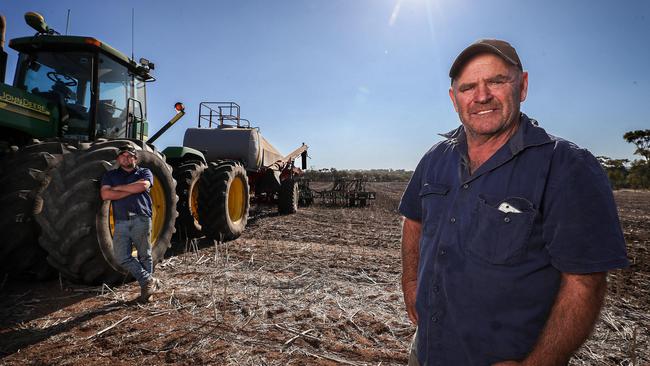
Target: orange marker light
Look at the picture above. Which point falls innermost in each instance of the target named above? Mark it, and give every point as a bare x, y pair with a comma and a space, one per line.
179, 106
93, 41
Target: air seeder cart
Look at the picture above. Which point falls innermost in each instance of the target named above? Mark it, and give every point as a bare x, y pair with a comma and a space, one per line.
225, 165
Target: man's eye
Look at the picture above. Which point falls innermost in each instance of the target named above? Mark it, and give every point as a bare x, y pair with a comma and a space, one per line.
465, 88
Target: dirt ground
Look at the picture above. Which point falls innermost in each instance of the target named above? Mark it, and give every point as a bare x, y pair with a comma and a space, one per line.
316, 288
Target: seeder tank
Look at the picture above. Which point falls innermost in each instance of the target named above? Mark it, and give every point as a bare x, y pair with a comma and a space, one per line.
243, 144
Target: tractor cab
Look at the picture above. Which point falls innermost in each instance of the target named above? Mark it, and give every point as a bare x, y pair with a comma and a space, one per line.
98, 91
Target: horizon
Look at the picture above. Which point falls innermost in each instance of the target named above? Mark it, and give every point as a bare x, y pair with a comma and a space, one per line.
364, 83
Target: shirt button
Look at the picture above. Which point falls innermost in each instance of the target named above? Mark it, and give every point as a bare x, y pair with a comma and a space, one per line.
465, 186
452, 220
443, 252
436, 289
507, 219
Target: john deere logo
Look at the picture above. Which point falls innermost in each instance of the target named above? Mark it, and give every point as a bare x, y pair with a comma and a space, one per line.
23, 102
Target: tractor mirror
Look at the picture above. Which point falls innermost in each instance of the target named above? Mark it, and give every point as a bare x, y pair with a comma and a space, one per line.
147, 64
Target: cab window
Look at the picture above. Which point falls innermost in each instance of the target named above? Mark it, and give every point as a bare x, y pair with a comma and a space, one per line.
64, 78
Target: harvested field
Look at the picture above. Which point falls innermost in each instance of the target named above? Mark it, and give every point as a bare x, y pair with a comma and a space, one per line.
320, 287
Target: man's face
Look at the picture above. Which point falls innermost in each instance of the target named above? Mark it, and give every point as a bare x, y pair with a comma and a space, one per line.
126, 160
487, 94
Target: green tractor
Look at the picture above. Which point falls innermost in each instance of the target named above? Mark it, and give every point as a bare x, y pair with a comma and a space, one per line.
73, 102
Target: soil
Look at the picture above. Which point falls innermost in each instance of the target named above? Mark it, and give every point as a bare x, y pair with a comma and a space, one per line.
320, 287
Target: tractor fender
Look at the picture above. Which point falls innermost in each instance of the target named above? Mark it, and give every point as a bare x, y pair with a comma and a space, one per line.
178, 153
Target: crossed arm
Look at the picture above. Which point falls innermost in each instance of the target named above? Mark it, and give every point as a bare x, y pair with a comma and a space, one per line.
572, 317
118, 192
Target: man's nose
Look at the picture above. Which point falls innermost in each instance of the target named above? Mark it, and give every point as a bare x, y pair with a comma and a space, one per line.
483, 94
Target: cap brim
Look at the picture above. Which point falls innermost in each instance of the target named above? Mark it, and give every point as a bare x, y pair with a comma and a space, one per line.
474, 50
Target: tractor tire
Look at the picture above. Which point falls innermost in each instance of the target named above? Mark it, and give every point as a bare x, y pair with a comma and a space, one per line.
187, 188
77, 225
24, 177
223, 200
288, 198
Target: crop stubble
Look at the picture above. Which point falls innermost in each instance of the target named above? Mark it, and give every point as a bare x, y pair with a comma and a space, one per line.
317, 288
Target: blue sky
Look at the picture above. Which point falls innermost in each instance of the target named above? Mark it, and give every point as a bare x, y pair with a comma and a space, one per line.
364, 82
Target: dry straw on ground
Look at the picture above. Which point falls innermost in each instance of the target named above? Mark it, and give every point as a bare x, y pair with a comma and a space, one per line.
316, 288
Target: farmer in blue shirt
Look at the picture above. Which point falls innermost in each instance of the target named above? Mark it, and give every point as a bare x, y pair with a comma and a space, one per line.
128, 188
508, 231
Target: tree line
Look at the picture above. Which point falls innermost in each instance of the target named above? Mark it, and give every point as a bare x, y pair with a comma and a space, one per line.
624, 173
370, 175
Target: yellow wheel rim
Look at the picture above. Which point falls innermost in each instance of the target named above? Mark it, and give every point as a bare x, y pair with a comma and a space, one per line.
194, 202
111, 220
159, 210
236, 198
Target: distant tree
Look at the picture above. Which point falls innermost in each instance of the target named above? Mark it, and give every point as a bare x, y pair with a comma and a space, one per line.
640, 138
639, 171
639, 175
617, 171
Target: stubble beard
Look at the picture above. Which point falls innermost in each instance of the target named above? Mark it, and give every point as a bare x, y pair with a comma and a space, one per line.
478, 130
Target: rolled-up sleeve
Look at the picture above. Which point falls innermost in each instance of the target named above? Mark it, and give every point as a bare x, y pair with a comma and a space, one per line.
410, 205
148, 176
581, 225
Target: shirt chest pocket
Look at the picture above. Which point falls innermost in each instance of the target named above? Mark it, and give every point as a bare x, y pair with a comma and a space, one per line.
501, 229
434, 200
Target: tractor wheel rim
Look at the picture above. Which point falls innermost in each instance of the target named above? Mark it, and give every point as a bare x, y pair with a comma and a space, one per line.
194, 202
159, 210
236, 197
111, 220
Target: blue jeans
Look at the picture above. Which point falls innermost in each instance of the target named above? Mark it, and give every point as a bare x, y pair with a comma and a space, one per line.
134, 231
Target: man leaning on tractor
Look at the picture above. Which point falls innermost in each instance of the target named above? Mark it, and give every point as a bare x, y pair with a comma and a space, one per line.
128, 187
508, 231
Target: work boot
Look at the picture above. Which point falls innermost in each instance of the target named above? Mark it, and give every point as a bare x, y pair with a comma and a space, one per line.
151, 287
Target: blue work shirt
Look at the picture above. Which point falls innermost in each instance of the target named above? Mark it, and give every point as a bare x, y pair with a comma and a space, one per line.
135, 204
494, 243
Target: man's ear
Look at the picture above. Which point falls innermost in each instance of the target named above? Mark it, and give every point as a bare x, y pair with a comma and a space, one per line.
524, 86
453, 98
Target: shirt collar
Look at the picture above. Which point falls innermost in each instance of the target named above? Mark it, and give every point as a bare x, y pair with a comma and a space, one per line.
131, 172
